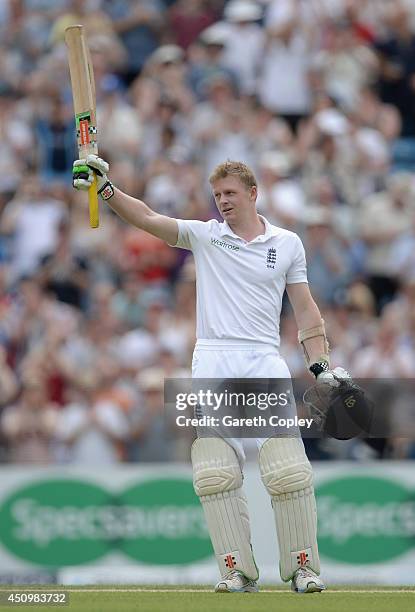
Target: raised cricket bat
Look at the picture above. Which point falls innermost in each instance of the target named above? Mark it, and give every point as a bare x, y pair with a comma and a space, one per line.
84, 103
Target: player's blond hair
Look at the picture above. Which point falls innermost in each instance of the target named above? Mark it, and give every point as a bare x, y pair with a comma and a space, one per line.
234, 168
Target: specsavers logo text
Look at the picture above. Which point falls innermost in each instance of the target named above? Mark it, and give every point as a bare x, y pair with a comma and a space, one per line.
365, 520
67, 522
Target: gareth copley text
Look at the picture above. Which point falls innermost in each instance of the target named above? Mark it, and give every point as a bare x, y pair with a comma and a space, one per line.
256, 421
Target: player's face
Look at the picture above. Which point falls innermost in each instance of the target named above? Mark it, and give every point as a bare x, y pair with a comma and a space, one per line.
233, 198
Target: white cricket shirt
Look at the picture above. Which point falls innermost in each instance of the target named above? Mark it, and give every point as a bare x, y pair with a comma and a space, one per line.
240, 284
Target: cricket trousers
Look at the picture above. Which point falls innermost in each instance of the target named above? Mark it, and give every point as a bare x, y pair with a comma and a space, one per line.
216, 359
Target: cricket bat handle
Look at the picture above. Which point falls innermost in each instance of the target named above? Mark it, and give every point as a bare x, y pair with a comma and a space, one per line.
93, 203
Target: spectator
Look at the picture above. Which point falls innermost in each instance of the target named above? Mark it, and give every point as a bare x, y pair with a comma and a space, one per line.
402, 309
328, 259
245, 38
8, 380
283, 85
139, 24
55, 141
126, 303
147, 256
121, 130
384, 216
92, 427
64, 273
29, 426
187, 18
31, 314
229, 136
167, 67
206, 58
17, 144
326, 148
386, 357
33, 220
283, 199
346, 64
396, 54
151, 430
88, 13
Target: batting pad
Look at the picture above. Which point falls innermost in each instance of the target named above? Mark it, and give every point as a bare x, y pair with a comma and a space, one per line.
217, 480
287, 475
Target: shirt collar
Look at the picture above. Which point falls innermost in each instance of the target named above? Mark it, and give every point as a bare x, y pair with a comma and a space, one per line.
270, 231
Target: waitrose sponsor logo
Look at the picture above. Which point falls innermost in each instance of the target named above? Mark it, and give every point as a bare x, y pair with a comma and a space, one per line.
365, 520
67, 522
224, 245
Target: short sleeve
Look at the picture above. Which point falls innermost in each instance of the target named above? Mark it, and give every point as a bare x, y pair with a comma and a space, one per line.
191, 233
297, 272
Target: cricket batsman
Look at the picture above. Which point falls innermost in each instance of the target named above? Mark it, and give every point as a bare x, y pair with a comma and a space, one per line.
243, 267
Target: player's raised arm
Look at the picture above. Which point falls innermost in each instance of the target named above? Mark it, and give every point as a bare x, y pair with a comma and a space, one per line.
130, 209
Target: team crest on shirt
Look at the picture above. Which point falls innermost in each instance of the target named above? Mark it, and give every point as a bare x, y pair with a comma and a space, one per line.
271, 258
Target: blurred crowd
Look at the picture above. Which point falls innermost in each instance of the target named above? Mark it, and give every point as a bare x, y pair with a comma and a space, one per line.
317, 96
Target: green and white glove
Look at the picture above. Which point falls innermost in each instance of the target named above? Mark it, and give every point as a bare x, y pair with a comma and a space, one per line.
83, 174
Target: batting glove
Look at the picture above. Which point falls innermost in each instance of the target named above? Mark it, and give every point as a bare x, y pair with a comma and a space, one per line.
334, 377
83, 175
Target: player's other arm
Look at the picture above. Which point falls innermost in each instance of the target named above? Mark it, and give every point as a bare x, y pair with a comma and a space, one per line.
312, 333
308, 317
132, 210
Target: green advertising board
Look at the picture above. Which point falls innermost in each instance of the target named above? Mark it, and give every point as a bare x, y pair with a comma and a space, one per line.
61, 522
365, 519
